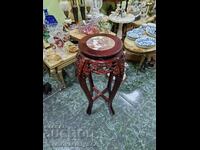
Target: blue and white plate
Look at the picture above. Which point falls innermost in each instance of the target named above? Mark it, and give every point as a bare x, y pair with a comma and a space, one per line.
145, 42
151, 31
151, 24
135, 33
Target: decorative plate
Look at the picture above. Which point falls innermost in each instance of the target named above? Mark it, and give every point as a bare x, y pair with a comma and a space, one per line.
151, 24
100, 43
145, 42
135, 33
151, 31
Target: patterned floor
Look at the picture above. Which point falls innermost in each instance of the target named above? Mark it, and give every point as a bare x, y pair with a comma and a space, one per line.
133, 127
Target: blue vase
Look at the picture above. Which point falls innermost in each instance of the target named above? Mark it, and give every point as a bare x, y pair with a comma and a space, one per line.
50, 20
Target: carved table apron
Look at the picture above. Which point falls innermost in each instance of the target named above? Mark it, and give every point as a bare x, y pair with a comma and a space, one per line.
107, 62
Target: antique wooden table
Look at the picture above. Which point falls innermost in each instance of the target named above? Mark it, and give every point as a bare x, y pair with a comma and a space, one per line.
131, 48
76, 35
121, 21
55, 68
139, 22
100, 54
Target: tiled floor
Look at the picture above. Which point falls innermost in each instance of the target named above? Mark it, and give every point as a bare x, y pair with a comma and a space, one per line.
133, 127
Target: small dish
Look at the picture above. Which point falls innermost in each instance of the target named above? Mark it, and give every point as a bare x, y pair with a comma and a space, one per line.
135, 33
151, 31
145, 42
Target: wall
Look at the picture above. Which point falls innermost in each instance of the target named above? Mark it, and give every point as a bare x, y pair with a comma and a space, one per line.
53, 9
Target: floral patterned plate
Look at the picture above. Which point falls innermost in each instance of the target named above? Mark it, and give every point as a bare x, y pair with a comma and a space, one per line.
151, 31
145, 42
135, 33
100, 43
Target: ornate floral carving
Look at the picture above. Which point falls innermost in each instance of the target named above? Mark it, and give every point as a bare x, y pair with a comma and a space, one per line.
85, 65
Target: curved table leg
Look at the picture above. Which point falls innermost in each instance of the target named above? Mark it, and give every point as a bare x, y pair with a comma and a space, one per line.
83, 84
91, 84
112, 93
54, 74
61, 78
109, 85
141, 62
116, 74
80, 64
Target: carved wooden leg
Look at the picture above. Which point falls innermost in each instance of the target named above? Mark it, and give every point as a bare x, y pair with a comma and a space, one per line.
109, 86
61, 78
82, 80
83, 84
89, 109
54, 74
151, 59
141, 62
117, 82
111, 110
91, 84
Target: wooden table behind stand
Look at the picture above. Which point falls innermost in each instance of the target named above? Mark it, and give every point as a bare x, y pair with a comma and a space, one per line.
109, 61
128, 18
76, 35
132, 49
56, 68
141, 21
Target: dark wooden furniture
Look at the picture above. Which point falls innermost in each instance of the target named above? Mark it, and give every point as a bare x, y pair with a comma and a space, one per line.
106, 62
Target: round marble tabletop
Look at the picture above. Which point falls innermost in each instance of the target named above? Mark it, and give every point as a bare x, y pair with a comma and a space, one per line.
118, 19
121, 20
100, 43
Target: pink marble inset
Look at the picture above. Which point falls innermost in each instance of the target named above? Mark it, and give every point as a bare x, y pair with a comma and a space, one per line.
100, 43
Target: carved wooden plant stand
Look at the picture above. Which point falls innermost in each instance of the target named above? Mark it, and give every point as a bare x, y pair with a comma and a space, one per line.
106, 62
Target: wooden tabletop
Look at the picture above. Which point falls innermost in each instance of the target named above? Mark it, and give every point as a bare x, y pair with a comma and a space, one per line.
141, 21
128, 18
54, 64
130, 46
75, 34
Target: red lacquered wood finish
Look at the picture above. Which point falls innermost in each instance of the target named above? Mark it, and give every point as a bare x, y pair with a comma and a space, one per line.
107, 62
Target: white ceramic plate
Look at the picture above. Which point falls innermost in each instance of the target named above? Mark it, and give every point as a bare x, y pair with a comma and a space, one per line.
145, 42
135, 33
100, 43
151, 31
